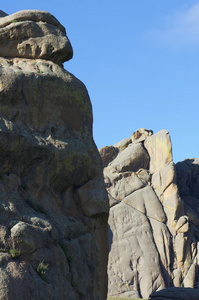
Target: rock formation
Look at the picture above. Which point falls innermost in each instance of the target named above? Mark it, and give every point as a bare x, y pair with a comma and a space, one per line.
176, 293
54, 206
154, 216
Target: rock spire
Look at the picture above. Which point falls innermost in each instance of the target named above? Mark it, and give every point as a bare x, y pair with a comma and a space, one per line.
54, 206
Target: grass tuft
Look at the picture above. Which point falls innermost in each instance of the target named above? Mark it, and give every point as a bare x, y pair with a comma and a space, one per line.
14, 253
41, 270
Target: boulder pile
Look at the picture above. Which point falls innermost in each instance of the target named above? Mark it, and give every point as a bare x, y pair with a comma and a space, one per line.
54, 205
154, 216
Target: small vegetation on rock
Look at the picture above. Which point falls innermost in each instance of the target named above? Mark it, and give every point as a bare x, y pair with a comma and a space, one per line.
41, 270
4, 250
14, 253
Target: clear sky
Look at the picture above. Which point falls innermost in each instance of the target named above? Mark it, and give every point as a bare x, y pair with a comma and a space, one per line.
139, 60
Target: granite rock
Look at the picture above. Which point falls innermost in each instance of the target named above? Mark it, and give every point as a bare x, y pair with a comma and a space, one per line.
54, 205
153, 234
34, 34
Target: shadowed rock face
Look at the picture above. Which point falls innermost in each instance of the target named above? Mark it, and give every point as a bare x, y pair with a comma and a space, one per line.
153, 222
176, 293
3, 14
54, 206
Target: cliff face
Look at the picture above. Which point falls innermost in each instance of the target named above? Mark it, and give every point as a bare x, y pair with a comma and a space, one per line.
154, 216
54, 206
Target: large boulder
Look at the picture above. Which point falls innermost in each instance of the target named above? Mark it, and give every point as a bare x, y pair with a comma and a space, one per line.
132, 158
153, 222
54, 205
134, 265
34, 34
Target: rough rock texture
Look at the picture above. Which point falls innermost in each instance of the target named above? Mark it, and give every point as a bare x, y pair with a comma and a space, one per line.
154, 216
54, 206
34, 34
177, 293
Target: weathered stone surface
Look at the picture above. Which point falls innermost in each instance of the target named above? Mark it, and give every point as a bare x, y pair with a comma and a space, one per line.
108, 153
133, 258
56, 102
140, 135
120, 185
160, 199
159, 149
132, 158
163, 178
144, 175
173, 206
20, 281
91, 198
123, 144
54, 206
163, 242
146, 201
190, 278
176, 293
182, 224
34, 34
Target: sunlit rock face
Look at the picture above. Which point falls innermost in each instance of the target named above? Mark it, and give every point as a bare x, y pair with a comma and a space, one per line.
154, 217
34, 34
54, 205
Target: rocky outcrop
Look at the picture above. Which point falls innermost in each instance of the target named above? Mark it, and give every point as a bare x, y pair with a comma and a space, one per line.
54, 206
153, 234
34, 34
176, 293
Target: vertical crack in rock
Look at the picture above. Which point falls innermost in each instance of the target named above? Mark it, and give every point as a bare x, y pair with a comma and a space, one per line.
154, 216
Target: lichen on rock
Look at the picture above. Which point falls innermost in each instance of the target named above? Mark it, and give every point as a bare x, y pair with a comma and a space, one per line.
54, 206
34, 34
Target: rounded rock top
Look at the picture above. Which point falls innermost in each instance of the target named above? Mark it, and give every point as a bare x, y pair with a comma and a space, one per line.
34, 34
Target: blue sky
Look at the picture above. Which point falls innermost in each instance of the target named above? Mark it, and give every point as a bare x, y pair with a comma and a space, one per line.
139, 60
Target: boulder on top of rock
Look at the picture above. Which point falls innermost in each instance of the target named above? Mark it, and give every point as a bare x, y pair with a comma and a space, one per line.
159, 148
132, 158
34, 34
140, 135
